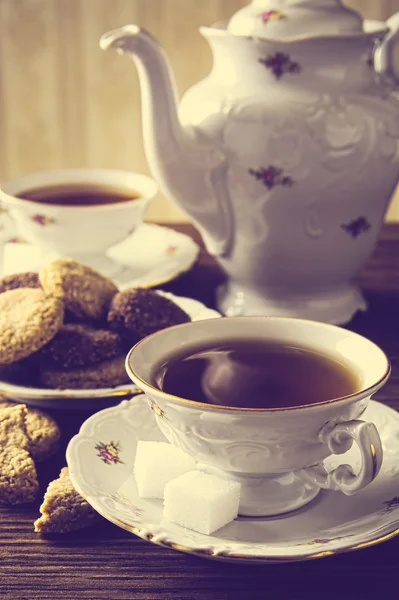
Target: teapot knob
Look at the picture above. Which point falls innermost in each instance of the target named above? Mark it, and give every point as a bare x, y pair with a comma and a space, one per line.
386, 55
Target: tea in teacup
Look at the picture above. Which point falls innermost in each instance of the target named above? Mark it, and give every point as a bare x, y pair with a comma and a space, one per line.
256, 374
82, 194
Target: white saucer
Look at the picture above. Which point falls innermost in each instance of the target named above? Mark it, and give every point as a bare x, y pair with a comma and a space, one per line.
102, 397
331, 523
150, 257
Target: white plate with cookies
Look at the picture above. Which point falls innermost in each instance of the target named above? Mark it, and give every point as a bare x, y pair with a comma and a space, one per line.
64, 337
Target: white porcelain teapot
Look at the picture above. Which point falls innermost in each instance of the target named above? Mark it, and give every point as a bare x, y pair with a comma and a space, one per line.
285, 156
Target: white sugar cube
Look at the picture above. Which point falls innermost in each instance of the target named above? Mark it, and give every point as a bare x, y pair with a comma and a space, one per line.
155, 464
201, 502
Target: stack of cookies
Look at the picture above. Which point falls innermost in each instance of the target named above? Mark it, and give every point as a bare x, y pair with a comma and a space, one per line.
27, 436
69, 327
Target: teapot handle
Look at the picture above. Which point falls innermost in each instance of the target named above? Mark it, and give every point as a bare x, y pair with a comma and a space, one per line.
384, 55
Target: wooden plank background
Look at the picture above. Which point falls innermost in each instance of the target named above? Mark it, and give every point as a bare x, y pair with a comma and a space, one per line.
64, 102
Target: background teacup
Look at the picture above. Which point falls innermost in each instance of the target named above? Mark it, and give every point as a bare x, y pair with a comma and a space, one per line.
78, 230
277, 454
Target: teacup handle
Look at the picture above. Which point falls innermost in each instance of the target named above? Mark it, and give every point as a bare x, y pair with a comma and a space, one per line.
339, 439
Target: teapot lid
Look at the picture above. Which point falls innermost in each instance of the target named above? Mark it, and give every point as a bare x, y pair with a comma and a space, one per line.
288, 19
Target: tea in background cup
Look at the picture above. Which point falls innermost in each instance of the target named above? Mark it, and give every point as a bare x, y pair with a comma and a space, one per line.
79, 213
264, 401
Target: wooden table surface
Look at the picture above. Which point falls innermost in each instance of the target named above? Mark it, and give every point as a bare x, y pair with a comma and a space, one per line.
108, 563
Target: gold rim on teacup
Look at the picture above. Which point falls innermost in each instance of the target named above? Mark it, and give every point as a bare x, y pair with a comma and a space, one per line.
147, 386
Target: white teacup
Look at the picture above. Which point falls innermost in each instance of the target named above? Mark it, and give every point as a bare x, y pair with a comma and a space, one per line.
83, 232
276, 454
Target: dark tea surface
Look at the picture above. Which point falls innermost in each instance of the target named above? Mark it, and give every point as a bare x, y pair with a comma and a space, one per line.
256, 374
78, 195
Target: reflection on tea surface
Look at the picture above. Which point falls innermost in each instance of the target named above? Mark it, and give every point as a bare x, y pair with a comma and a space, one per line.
256, 374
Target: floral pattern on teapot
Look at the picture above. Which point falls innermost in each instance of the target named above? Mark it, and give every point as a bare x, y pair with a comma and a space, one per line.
356, 226
271, 176
391, 505
280, 64
271, 15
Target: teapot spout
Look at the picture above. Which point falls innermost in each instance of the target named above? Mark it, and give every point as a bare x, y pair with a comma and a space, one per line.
188, 170
158, 88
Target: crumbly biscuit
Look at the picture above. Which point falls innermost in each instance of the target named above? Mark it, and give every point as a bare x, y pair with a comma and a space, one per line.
19, 280
85, 292
42, 431
63, 509
107, 374
28, 320
135, 313
18, 479
78, 345
13, 427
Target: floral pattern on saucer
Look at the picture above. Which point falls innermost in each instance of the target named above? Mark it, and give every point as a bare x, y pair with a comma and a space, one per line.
109, 453
332, 523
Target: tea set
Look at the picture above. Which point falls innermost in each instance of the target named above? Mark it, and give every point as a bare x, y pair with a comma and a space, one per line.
285, 158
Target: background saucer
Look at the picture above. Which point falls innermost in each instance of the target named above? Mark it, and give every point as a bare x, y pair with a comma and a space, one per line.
150, 257
332, 523
102, 397
153, 255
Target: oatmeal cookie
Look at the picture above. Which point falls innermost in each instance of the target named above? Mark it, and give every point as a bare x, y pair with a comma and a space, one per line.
77, 345
84, 292
19, 280
63, 509
108, 373
18, 478
28, 320
42, 431
135, 313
